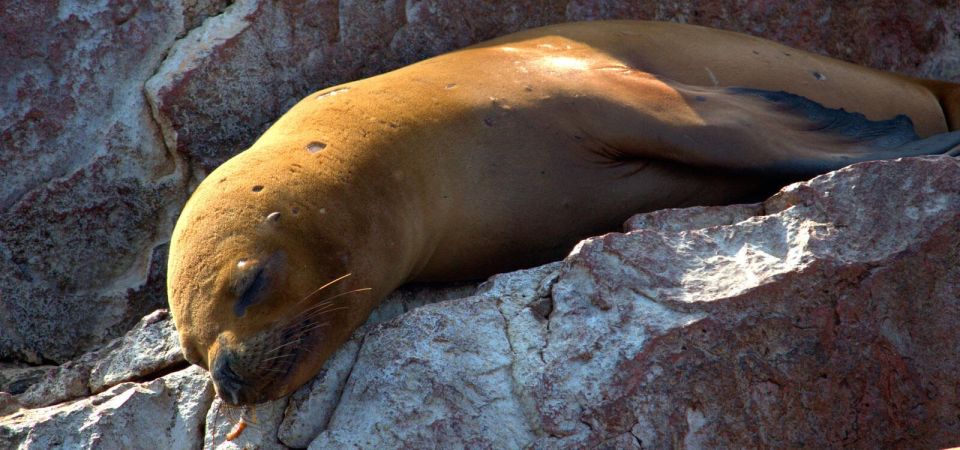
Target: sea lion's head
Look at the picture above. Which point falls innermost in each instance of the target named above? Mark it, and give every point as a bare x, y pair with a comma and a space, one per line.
260, 294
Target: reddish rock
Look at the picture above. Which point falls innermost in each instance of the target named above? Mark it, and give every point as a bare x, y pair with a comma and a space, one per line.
827, 321
88, 190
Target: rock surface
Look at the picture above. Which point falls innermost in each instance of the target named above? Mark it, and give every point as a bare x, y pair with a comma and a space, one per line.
150, 351
164, 413
149, 348
113, 111
823, 317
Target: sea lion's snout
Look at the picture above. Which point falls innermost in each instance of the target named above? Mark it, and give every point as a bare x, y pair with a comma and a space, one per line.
226, 382
229, 385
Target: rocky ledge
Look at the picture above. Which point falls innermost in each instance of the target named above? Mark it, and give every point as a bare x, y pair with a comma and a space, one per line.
825, 316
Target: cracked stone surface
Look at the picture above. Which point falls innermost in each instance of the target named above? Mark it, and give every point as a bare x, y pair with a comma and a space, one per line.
88, 189
822, 317
164, 413
150, 347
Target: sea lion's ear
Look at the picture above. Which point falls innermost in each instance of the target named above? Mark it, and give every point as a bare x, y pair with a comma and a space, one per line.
253, 279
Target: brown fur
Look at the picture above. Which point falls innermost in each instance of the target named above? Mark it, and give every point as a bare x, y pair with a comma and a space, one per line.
498, 156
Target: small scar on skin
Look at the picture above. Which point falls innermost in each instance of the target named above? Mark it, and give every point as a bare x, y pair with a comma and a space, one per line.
332, 93
316, 146
295, 210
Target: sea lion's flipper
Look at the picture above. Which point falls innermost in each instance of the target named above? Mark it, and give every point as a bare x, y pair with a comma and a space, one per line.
854, 126
759, 131
856, 138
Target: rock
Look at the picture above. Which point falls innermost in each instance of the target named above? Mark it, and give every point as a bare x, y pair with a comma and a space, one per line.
309, 409
89, 191
8, 404
827, 321
693, 218
16, 378
258, 433
819, 324
151, 347
164, 413
311, 406
421, 382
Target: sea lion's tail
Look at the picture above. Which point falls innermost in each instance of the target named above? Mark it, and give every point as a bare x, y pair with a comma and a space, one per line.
948, 94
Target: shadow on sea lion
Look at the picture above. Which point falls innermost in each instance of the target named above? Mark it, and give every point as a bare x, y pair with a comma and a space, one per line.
500, 156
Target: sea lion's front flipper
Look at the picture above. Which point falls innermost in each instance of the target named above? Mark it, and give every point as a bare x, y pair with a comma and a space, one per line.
750, 130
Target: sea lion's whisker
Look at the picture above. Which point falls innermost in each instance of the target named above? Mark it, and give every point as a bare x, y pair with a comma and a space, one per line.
324, 306
307, 327
328, 284
315, 314
287, 355
275, 349
313, 327
355, 291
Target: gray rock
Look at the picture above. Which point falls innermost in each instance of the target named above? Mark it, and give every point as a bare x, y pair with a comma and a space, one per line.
310, 408
16, 378
150, 347
164, 413
419, 381
259, 431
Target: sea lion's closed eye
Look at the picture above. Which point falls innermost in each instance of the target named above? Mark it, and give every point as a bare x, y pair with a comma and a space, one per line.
248, 288
253, 280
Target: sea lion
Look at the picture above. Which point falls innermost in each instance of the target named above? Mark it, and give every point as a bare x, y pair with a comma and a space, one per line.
499, 156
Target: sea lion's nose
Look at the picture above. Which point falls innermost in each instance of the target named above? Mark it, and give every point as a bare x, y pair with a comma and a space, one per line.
228, 384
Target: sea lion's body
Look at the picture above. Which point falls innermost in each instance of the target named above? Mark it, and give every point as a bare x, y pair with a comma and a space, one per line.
499, 156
